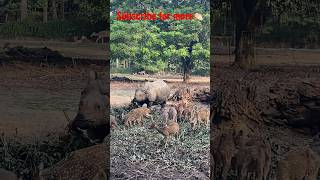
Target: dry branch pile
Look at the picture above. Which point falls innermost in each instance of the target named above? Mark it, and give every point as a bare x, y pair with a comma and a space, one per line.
45, 56
295, 104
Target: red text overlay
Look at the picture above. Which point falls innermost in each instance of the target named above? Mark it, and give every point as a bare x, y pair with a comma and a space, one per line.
148, 16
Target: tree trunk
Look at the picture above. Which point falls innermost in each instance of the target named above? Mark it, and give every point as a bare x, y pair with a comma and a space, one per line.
54, 10
186, 69
24, 9
6, 18
186, 77
244, 50
62, 9
45, 11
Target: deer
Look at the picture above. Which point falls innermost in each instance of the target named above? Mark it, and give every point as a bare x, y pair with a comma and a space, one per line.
167, 131
100, 36
86, 163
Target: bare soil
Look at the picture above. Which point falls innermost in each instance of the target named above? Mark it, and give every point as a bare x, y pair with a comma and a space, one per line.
33, 98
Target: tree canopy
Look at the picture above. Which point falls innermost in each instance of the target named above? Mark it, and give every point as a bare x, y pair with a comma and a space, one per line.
291, 22
155, 46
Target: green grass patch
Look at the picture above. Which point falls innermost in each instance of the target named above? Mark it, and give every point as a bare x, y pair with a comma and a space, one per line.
186, 155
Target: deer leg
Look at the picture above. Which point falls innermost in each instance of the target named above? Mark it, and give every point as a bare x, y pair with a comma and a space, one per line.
194, 124
225, 169
165, 141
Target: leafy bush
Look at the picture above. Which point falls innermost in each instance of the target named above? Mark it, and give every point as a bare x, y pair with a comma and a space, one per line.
51, 29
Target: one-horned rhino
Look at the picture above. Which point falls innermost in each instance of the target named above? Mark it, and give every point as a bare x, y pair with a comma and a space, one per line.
92, 120
156, 92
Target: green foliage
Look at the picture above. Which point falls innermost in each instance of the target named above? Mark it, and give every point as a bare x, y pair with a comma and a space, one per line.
52, 29
293, 23
93, 11
80, 18
156, 46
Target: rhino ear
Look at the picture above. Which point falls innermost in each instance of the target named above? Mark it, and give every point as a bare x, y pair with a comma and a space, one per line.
93, 75
103, 88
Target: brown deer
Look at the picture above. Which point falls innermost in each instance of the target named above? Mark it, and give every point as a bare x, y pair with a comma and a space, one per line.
299, 164
87, 163
169, 113
201, 117
113, 122
167, 131
224, 150
136, 116
100, 36
254, 156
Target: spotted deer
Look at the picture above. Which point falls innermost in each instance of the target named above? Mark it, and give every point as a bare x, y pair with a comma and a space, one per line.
100, 36
87, 163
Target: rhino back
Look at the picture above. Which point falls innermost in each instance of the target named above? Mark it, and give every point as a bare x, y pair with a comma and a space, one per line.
158, 91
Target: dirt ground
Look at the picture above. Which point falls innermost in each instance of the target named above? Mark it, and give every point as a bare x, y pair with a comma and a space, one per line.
122, 93
33, 98
276, 57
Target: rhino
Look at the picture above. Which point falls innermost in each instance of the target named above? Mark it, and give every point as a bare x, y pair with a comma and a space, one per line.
151, 93
92, 120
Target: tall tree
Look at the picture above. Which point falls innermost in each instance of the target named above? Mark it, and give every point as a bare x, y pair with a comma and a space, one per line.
251, 15
62, 9
45, 11
248, 15
161, 45
54, 9
23, 9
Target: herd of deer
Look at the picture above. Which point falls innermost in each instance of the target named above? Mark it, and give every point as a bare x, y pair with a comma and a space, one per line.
182, 110
232, 149
100, 36
249, 156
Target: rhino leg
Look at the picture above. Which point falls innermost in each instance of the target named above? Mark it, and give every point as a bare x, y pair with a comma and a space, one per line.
149, 104
163, 104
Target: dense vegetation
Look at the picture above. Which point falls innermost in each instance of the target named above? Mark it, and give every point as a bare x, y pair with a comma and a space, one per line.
286, 23
52, 19
290, 22
153, 46
157, 46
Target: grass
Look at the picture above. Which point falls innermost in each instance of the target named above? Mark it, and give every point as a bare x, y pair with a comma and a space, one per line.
139, 152
24, 158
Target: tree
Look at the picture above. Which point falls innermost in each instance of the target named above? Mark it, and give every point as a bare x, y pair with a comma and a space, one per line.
62, 9
23, 9
183, 35
250, 16
45, 11
159, 45
54, 9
